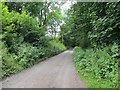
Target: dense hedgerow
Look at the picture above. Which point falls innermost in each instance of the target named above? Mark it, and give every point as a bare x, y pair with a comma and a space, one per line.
25, 57
94, 25
98, 63
24, 43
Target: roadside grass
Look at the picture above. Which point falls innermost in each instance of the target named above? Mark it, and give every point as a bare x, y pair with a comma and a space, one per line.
91, 82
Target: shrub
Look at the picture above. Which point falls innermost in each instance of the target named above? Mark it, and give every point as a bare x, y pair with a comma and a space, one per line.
26, 56
9, 62
23, 42
57, 45
98, 62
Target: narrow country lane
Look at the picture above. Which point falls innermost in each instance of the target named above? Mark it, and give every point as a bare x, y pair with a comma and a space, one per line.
55, 72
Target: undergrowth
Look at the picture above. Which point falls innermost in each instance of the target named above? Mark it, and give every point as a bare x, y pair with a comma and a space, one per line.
97, 67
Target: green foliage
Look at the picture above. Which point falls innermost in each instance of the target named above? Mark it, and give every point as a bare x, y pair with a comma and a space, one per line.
32, 8
92, 24
78, 21
106, 28
98, 64
26, 56
57, 44
25, 39
24, 42
15, 25
9, 65
55, 47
